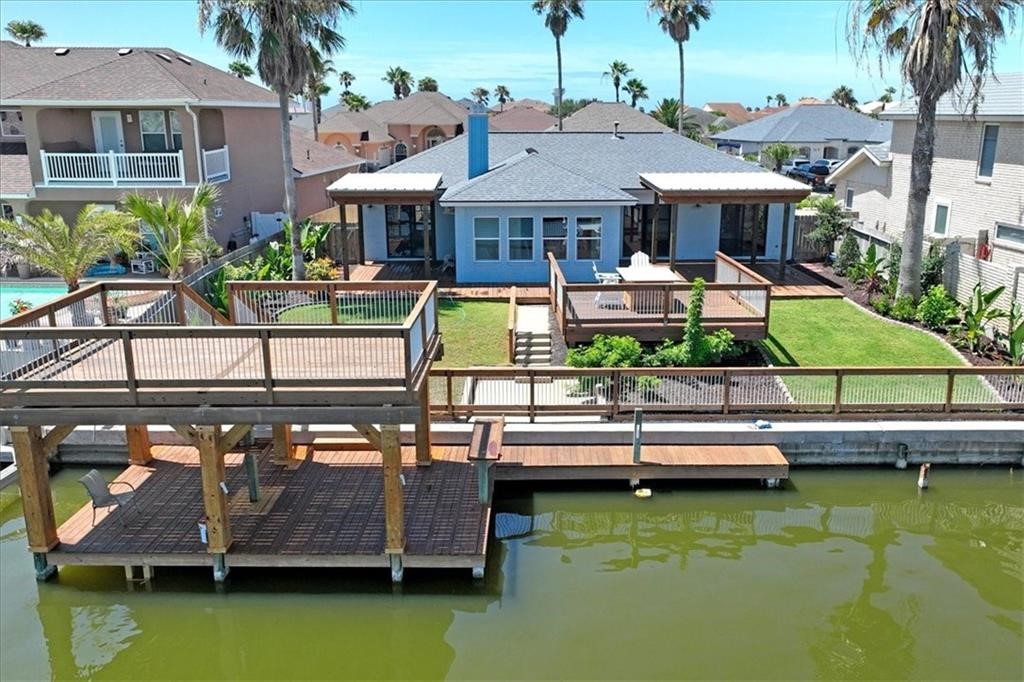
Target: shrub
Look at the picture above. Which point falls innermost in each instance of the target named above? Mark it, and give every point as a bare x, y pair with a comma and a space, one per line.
903, 309
693, 333
321, 269
722, 345
607, 351
936, 308
848, 256
931, 267
19, 306
868, 271
1014, 339
977, 314
832, 223
813, 201
882, 305
892, 268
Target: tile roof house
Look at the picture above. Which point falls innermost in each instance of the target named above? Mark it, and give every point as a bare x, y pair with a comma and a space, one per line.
977, 186
89, 124
734, 111
817, 130
497, 202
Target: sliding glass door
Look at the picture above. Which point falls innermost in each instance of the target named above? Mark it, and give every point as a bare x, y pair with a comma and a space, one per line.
742, 230
405, 229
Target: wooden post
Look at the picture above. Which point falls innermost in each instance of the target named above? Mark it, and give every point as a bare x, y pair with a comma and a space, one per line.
784, 246
394, 498
34, 480
362, 235
345, 274
423, 456
282, 443
429, 229
215, 500
137, 436
673, 235
655, 211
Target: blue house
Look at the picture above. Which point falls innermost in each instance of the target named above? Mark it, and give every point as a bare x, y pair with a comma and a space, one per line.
496, 203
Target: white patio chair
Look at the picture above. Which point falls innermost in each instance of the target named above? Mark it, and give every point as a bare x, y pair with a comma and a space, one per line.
639, 260
605, 277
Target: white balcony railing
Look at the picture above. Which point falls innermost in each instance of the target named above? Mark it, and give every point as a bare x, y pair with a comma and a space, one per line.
113, 169
217, 164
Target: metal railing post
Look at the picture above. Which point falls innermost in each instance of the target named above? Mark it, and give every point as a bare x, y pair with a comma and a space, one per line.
638, 427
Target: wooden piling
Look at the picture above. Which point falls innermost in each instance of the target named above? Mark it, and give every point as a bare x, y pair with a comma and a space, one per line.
139, 449
423, 456
34, 479
394, 498
282, 443
215, 500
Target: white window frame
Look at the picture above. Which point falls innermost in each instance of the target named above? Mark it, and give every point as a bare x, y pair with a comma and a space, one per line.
496, 239
1008, 243
850, 193
544, 239
163, 132
580, 240
5, 130
981, 151
530, 240
949, 216
174, 121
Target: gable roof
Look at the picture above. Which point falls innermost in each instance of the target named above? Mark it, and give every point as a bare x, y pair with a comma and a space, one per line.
612, 161
531, 177
734, 111
599, 117
100, 74
878, 154
810, 123
522, 119
338, 119
419, 108
15, 175
1002, 96
309, 157
525, 103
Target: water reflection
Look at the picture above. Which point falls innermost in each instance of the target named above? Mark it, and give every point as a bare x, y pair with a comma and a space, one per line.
98, 633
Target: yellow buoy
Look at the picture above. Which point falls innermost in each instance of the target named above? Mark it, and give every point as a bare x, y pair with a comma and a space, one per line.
642, 492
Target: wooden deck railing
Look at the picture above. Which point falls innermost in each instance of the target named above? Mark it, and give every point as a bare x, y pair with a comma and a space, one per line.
739, 299
741, 392
513, 312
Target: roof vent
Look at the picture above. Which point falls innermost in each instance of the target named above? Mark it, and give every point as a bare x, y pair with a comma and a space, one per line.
185, 59
61, 51
615, 130
124, 51
163, 56
307, 155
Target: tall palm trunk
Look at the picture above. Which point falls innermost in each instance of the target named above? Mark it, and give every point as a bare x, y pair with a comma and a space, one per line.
920, 186
682, 106
298, 266
558, 95
316, 119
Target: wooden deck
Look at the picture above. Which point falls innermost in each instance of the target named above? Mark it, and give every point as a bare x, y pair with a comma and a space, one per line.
327, 508
795, 282
446, 284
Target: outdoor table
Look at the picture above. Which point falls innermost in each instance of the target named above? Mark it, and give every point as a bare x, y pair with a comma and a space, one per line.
647, 301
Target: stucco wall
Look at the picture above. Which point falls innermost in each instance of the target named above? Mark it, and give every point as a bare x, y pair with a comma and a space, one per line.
311, 191
699, 229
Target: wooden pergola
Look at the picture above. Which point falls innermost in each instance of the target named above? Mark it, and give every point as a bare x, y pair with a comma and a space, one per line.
751, 187
364, 189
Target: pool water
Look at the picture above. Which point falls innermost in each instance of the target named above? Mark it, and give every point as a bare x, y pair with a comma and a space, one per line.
36, 294
843, 574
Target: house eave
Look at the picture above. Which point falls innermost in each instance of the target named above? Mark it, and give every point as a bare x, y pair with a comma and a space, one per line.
486, 204
14, 102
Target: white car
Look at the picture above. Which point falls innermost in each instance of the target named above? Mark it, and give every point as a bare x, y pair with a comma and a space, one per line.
787, 167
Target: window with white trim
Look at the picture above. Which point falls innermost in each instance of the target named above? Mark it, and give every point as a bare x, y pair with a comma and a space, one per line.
940, 225
987, 158
1013, 234
520, 239
588, 238
153, 126
175, 130
849, 197
486, 239
555, 233
11, 123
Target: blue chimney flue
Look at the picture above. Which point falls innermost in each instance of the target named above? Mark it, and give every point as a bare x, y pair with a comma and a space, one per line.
478, 160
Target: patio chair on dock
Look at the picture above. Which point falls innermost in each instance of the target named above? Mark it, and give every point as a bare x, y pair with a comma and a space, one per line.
102, 497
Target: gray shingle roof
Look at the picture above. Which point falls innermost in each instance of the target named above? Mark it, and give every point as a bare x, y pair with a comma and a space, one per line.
15, 176
522, 119
419, 108
613, 162
1002, 95
530, 176
99, 74
598, 117
309, 157
810, 123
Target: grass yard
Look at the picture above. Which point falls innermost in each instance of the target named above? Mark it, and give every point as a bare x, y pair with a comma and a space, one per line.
833, 333
473, 332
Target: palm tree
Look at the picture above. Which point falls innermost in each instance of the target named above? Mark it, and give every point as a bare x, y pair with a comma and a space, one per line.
886, 97
678, 18
426, 84
636, 90
317, 87
939, 42
843, 96
400, 80
176, 229
280, 34
346, 79
780, 99
667, 112
779, 153
240, 69
768, 100
557, 15
26, 31
48, 242
502, 94
355, 102
617, 71
481, 95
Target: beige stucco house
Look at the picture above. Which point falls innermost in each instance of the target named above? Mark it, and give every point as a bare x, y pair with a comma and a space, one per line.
977, 189
90, 124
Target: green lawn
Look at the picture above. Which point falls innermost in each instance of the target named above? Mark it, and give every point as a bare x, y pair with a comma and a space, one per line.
833, 333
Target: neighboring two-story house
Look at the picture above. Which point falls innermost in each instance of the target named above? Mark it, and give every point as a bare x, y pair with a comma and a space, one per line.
977, 188
90, 124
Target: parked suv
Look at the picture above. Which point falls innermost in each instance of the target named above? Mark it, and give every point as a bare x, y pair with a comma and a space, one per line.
787, 168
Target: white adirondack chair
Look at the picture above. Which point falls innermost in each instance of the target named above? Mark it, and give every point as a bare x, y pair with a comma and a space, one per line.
639, 260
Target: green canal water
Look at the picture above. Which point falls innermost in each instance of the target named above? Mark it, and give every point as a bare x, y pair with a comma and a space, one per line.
844, 574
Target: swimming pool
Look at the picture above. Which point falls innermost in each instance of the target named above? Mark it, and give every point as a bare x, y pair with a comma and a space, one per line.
36, 294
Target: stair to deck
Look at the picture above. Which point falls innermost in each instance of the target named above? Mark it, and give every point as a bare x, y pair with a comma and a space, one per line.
533, 336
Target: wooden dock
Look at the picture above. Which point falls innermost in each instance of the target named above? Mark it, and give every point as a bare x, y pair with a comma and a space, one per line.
325, 508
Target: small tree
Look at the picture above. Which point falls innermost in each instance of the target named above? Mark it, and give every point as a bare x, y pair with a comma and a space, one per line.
177, 229
779, 153
695, 343
832, 223
848, 256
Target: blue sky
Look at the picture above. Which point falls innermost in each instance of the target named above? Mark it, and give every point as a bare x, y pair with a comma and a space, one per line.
749, 49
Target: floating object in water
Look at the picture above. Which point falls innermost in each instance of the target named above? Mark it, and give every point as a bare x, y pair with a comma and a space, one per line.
762, 424
642, 493
922, 476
